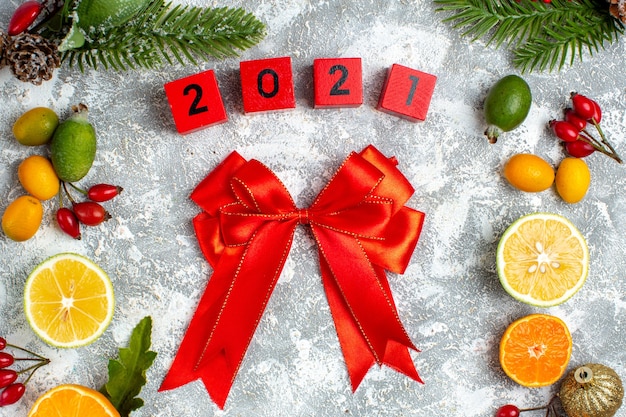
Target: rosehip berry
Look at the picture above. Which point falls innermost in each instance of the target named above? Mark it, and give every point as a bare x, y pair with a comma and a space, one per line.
564, 130
6, 359
583, 106
67, 221
597, 112
3, 343
7, 377
103, 192
508, 410
90, 213
23, 17
579, 148
577, 121
12, 394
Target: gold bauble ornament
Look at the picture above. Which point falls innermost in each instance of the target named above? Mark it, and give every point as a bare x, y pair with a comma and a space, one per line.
591, 390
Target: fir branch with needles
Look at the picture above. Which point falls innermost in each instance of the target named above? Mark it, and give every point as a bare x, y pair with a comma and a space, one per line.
542, 36
165, 34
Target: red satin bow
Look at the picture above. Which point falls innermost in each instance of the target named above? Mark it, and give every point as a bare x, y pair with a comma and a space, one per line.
361, 227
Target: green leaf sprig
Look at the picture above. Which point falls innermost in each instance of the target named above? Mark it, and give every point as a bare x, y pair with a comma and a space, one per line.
542, 36
127, 375
164, 33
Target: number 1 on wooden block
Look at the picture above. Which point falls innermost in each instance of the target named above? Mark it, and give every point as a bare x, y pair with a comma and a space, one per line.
195, 102
407, 93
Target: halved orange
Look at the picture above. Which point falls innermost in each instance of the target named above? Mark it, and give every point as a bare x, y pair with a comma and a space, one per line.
68, 300
535, 350
542, 259
70, 400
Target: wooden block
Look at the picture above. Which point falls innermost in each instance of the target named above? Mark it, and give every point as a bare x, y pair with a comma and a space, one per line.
407, 93
195, 102
267, 85
338, 82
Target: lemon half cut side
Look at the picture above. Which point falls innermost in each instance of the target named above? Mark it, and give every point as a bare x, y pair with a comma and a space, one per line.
542, 259
68, 300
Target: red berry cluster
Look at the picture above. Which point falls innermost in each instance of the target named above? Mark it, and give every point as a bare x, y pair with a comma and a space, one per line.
12, 391
89, 213
573, 131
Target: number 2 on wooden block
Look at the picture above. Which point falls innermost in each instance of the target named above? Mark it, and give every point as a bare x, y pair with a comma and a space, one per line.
195, 102
337, 90
194, 109
407, 93
338, 82
267, 85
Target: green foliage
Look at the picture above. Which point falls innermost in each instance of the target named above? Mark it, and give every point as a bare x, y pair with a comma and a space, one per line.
164, 34
541, 35
127, 375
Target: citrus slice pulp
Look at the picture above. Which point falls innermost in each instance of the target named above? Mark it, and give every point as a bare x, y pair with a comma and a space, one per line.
68, 300
542, 259
535, 350
69, 400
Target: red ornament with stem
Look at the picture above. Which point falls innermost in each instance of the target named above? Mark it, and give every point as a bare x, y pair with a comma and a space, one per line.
23, 17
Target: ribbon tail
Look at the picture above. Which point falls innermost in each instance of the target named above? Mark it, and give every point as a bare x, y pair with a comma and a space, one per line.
363, 310
184, 367
397, 357
357, 354
228, 313
397, 354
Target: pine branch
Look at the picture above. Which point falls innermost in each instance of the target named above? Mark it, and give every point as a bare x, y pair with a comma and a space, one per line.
588, 32
542, 35
506, 20
165, 34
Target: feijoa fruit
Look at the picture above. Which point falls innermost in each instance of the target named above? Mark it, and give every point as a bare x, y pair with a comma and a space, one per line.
73, 146
506, 106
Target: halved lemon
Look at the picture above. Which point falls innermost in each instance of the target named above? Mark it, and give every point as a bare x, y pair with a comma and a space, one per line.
69, 400
542, 259
68, 300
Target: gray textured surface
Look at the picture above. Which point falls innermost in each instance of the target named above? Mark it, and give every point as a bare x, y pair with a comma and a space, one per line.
450, 300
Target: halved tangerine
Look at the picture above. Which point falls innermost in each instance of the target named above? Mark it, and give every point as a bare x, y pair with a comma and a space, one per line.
535, 350
70, 400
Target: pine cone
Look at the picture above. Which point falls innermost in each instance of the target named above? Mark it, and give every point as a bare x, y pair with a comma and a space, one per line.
4, 44
32, 58
618, 10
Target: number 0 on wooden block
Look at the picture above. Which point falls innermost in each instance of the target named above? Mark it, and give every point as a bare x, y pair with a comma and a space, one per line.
195, 102
407, 93
267, 85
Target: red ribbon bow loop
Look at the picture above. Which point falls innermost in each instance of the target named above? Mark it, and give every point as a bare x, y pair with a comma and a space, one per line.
245, 231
